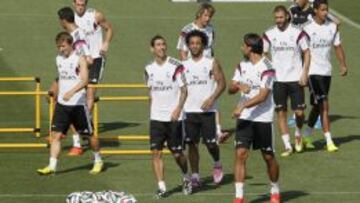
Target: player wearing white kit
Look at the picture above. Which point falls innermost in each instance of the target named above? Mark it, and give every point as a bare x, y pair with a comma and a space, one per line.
94, 24
202, 23
71, 103
324, 34
254, 78
286, 44
168, 91
206, 82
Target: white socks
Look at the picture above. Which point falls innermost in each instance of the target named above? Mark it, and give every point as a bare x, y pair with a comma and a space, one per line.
218, 129
274, 188
76, 140
53, 163
162, 186
328, 137
195, 176
97, 157
239, 190
286, 140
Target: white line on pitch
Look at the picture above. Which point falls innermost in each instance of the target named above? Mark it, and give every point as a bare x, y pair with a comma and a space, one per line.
345, 19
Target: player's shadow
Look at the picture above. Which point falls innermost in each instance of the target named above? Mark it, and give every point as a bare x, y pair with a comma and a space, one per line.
320, 144
286, 196
88, 167
336, 117
109, 126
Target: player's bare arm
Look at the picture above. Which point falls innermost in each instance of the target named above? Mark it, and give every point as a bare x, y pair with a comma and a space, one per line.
261, 97
106, 25
84, 75
221, 85
177, 111
340, 54
236, 86
306, 65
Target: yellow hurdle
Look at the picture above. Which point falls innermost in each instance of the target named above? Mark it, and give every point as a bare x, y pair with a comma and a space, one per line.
124, 98
128, 138
130, 152
18, 79
21, 93
23, 145
120, 86
17, 130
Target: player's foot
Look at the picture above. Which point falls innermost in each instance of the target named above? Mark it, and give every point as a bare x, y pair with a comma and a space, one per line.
97, 168
308, 142
238, 200
75, 151
275, 198
195, 182
218, 174
299, 146
287, 152
223, 137
331, 147
159, 194
187, 187
45, 171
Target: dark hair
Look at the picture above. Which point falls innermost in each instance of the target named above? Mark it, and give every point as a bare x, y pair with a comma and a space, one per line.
282, 8
66, 13
156, 37
255, 42
317, 3
86, 1
205, 7
197, 33
64, 37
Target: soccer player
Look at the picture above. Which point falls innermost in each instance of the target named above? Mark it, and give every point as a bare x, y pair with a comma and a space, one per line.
287, 44
167, 88
323, 35
202, 23
254, 78
93, 22
71, 103
206, 82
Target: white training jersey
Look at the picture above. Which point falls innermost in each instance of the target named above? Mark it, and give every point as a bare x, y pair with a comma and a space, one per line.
201, 83
208, 30
257, 76
322, 38
164, 82
92, 29
80, 43
68, 71
285, 48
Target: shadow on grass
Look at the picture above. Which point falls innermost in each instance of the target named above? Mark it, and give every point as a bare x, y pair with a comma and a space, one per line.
88, 167
321, 144
286, 196
104, 127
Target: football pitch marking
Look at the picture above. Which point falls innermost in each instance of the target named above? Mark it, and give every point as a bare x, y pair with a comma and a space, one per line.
345, 19
200, 194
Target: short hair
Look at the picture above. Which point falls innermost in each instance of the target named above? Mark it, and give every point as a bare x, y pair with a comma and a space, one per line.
64, 37
254, 41
156, 37
205, 7
282, 8
317, 3
66, 13
197, 33
86, 1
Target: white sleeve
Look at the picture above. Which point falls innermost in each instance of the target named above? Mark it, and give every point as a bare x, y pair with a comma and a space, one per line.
146, 78
267, 79
337, 39
180, 76
267, 43
181, 45
303, 41
237, 76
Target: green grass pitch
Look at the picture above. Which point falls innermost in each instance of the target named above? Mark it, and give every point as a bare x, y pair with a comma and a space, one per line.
27, 49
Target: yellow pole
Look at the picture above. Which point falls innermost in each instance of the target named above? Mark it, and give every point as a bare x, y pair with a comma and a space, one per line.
18, 93
133, 85
16, 130
124, 98
23, 145
51, 110
96, 119
37, 109
130, 152
17, 79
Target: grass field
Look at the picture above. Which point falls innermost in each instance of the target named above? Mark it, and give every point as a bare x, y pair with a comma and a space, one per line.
28, 49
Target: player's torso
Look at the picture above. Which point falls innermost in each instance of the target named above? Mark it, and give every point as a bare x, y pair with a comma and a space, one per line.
286, 53
93, 31
164, 88
68, 71
201, 83
80, 42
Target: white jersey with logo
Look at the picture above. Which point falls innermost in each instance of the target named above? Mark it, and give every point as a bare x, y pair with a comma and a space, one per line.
93, 31
260, 75
208, 30
322, 38
68, 70
80, 43
201, 83
164, 82
286, 49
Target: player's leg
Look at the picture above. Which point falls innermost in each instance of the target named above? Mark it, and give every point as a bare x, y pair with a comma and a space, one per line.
77, 149
208, 132
95, 75
273, 173
243, 141
175, 145
298, 105
192, 132
280, 98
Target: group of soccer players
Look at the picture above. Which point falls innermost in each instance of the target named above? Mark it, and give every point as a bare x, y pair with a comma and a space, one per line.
290, 55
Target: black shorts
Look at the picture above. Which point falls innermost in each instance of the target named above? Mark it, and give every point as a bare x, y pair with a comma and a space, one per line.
95, 70
283, 90
79, 116
259, 135
171, 132
319, 88
200, 125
